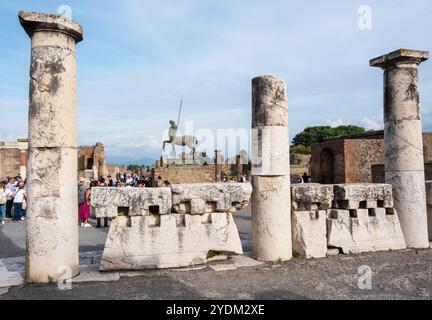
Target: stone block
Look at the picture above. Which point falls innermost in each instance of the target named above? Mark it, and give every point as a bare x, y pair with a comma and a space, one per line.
363, 196
169, 241
309, 233
307, 197
364, 230
204, 198
113, 202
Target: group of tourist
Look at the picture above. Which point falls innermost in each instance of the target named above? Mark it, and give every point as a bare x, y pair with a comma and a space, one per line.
234, 179
13, 196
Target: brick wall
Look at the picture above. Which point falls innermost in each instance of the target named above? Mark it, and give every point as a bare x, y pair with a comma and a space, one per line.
360, 156
356, 158
9, 162
191, 174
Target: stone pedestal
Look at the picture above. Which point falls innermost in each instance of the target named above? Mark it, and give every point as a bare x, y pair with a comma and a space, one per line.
404, 161
52, 228
271, 205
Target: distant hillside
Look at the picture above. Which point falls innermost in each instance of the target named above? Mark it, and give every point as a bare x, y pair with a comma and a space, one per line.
126, 160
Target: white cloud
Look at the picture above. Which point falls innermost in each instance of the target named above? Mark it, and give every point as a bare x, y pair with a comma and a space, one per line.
334, 123
139, 57
373, 123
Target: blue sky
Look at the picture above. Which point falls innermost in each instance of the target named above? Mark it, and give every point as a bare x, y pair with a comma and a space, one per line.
139, 58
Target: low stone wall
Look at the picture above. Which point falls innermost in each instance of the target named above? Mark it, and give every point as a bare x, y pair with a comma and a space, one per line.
178, 226
429, 206
353, 218
188, 224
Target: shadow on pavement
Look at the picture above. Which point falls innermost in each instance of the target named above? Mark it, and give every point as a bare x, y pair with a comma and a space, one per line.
8, 248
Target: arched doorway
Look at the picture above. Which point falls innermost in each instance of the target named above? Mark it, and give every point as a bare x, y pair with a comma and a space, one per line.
327, 167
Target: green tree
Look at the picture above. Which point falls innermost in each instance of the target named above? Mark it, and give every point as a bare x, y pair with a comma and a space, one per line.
312, 135
301, 150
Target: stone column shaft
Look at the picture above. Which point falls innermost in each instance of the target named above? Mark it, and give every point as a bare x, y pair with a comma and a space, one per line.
271, 197
52, 226
404, 160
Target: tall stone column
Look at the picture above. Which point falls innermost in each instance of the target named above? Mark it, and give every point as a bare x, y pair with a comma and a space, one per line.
404, 161
271, 197
52, 226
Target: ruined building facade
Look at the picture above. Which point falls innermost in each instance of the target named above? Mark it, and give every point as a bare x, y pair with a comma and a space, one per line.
91, 160
357, 159
13, 158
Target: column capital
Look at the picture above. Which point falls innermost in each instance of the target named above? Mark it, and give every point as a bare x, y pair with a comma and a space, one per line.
401, 55
33, 21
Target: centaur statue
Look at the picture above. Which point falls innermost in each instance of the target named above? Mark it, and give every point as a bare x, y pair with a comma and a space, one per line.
189, 141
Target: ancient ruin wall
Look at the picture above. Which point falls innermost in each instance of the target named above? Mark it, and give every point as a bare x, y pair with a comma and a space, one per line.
192, 173
360, 155
9, 162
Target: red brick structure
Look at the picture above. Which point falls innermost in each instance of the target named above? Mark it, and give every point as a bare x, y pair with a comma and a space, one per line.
355, 159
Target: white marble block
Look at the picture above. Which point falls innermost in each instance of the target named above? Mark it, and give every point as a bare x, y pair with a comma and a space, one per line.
210, 197
169, 241
310, 197
364, 230
309, 233
113, 202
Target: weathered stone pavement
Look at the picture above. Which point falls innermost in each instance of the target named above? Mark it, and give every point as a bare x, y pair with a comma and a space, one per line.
405, 274
396, 275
